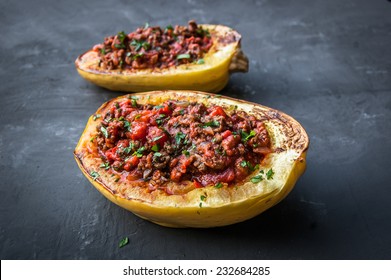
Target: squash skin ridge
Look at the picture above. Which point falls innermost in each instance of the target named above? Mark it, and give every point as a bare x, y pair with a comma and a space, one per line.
191, 215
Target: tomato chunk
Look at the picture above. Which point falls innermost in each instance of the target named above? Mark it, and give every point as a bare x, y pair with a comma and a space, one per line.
138, 131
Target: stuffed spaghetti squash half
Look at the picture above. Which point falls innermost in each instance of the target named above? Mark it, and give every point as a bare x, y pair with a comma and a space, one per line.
191, 159
193, 57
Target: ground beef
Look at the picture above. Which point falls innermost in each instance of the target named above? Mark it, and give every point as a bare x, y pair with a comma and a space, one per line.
180, 141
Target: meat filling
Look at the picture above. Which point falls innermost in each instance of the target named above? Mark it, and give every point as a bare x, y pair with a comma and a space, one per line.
180, 141
154, 47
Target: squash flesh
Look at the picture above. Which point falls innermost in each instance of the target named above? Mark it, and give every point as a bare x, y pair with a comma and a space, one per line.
223, 206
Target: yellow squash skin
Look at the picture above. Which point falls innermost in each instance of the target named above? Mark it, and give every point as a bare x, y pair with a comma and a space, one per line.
224, 57
224, 206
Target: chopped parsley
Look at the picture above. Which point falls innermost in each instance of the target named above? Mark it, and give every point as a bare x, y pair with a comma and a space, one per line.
157, 138
201, 61
269, 174
123, 242
257, 179
186, 153
219, 185
94, 175
105, 165
213, 123
203, 197
155, 148
139, 152
104, 131
183, 56
127, 125
180, 137
246, 136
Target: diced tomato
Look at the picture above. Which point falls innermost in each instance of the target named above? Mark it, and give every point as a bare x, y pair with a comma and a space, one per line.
226, 133
217, 111
156, 136
166, 110
123, 143
131, 163
197, 184
139, 130
226, 176
111, 154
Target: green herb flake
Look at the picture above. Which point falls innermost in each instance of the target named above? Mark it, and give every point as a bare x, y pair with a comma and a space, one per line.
116, 179
246, 136
201, 61
157, 138
105, 165
157, 154
168, 27
203, 197
213, 123
256, 179
95, 117
183, 56
94, 175
127, 125
186, 153
127, 150
104, 131
155, 148
116, 105
92, 138
139, 152
219, 185
179, 137
269, 174
123, 242
158, 107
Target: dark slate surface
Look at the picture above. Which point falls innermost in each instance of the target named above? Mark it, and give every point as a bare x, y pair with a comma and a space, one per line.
327, 63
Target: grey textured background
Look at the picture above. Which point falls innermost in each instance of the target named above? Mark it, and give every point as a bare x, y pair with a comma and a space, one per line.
326, 63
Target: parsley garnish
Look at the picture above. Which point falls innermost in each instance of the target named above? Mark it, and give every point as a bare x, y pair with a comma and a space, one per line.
179, 137
186, 153
213, 123
127, 150
157, 138
104, 131
201, 61
155, 148
139, 152
219, 185
127, 125
94, 175
169, 27
134, 101
246, 136
257, 179
183, 56
203, 197
105, 165
123, 242
269, 174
